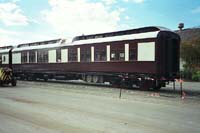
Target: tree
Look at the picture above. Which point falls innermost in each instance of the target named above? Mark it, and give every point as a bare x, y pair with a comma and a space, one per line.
190, 53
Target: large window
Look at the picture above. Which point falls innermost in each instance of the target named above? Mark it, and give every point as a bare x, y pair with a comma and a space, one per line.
24, 57
42, 56
86, 54
58, 55
100, 53
117, 52
32, 58
146, 51
72, 54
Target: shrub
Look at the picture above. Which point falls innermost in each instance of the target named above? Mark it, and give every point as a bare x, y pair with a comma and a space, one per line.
186, 74
196, 76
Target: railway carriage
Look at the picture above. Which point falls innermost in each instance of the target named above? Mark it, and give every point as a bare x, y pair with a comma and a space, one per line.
145, 57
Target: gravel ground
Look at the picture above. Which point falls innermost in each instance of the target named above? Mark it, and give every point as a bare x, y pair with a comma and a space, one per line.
39, 107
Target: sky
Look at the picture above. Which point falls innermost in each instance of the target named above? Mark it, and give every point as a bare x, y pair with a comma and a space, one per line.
23, 21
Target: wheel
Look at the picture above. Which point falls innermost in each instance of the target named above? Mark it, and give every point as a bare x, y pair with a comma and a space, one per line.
101, 79
29, 78
157, 88
144, 85
83, 76
45, 78
22, 77
89, 78
157, 85
33, 78
14, 82
117, 83
95, 78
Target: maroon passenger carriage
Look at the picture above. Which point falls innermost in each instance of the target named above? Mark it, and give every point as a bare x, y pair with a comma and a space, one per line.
145, 57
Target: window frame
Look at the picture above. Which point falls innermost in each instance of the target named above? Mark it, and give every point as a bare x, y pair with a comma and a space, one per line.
24, 57
85, 53
72, 54
102, 49
117, 49
42, 56
31, 55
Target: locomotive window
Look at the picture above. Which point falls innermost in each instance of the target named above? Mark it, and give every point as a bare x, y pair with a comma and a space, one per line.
32, 58
24, 57
72, 54
86, 54
58, 55
100, 54
42, 56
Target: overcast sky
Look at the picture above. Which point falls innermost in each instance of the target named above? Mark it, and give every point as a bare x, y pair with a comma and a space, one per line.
35, 20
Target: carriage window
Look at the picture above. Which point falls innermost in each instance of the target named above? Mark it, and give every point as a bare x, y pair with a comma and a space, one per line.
58, 55
4, 58
86, 54
42, 56
133, 52
117, 55
24, 57
113, 55
100, 53
32, 58
72, 54
117, 52
121, 55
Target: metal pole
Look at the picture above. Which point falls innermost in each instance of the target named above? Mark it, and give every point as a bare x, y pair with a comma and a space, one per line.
120, 93
181, 87
121, 85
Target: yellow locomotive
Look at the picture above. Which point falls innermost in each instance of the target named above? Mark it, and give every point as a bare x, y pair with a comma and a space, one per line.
6, 73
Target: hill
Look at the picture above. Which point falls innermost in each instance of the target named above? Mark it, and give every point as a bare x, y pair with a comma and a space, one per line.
188, 34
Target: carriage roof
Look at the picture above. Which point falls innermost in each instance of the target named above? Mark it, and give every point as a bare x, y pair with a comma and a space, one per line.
140, 33
5, 49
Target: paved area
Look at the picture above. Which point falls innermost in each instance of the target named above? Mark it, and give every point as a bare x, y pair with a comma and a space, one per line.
39, 107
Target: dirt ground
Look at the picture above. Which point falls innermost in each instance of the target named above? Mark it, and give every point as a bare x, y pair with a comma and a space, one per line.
39, 107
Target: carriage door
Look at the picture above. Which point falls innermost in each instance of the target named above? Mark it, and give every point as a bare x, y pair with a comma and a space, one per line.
172, 57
